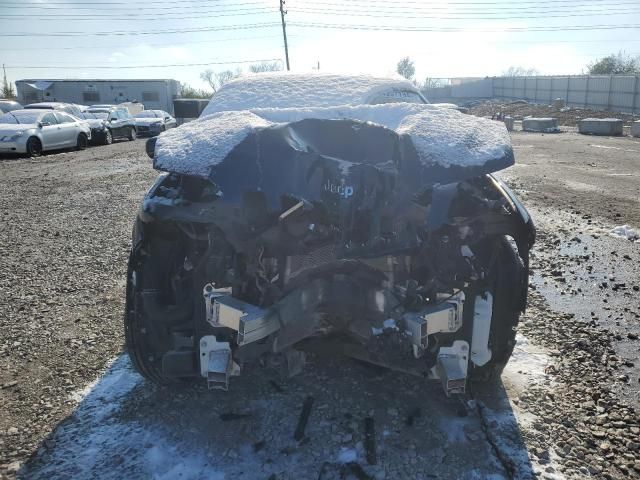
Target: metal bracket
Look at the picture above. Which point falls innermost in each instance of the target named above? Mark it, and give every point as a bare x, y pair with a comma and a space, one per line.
210, 293
216, 363
252, 323
452, 367
443, 317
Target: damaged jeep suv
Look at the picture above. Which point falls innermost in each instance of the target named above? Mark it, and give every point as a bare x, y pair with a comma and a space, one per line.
301, 206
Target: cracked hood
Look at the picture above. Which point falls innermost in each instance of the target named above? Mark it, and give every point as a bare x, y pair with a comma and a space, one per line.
425, 143
300, 152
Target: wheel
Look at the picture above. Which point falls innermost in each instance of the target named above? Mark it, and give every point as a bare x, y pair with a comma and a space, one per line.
34, 147
132, 134
509, 277
108, 137
82, 142
150, 318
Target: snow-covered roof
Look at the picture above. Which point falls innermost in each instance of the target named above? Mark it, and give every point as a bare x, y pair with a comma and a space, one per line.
441, 136
294, 90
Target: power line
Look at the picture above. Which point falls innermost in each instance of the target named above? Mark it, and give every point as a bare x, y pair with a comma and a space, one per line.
399, 28
482, 9
178, 3
119, 67
92, 18
403, 15
172, 44
515, 4
136, 33
332, 12
221, 3
289, 36
385, 5
108, 9
170, 15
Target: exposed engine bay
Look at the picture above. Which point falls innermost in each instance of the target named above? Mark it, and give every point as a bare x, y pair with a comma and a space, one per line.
427, 278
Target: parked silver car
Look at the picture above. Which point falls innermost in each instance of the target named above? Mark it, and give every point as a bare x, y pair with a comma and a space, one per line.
71, 108
6, 105
36, 131
154, 122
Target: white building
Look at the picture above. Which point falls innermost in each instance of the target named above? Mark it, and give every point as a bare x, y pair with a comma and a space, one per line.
153, 94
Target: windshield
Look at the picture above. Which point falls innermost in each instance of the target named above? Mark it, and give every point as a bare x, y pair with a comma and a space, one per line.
98, 110
94, 115
147, 114
20, 117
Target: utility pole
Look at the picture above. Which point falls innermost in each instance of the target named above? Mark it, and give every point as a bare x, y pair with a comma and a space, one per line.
283, 12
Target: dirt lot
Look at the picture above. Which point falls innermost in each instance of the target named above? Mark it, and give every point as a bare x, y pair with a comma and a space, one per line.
73, 408
566, 116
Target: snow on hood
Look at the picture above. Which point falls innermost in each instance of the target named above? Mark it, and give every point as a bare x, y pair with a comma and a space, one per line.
286, 90
441, 136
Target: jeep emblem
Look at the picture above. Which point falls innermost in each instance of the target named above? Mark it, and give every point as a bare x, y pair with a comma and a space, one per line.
345, 191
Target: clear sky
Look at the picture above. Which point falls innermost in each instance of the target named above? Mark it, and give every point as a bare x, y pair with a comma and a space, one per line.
69, 38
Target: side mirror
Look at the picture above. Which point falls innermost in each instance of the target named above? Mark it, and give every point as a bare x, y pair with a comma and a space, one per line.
150, 146
44, 124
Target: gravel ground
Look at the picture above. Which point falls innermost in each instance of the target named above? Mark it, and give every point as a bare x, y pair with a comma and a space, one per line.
73, 408
64, 241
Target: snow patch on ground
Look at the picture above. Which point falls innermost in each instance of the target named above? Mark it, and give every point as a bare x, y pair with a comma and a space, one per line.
347, 455
95, 443
526, 365
625, 231
454, 429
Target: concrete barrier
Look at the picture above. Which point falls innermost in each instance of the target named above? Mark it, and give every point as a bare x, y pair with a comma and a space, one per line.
635, 129
544, 125
600, 126
508, 122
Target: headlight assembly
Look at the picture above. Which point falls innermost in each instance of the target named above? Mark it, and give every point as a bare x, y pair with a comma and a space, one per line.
12, 138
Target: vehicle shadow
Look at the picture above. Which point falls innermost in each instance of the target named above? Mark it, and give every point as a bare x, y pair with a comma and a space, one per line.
125, 427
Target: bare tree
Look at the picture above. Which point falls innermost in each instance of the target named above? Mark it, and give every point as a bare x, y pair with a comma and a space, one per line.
275, 66
514, 71
217, 79
406, 68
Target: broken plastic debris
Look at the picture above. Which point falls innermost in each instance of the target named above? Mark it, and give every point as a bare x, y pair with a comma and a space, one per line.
304, 418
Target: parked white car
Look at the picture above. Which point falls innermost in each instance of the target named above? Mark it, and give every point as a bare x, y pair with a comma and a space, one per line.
36, 131
154, 122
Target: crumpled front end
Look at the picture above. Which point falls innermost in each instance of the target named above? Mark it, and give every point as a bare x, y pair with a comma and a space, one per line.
326, 227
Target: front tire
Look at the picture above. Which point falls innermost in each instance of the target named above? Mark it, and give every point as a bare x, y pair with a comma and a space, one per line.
82, 142
511, 275
132, 134
108, 137
148, 322
34, 147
